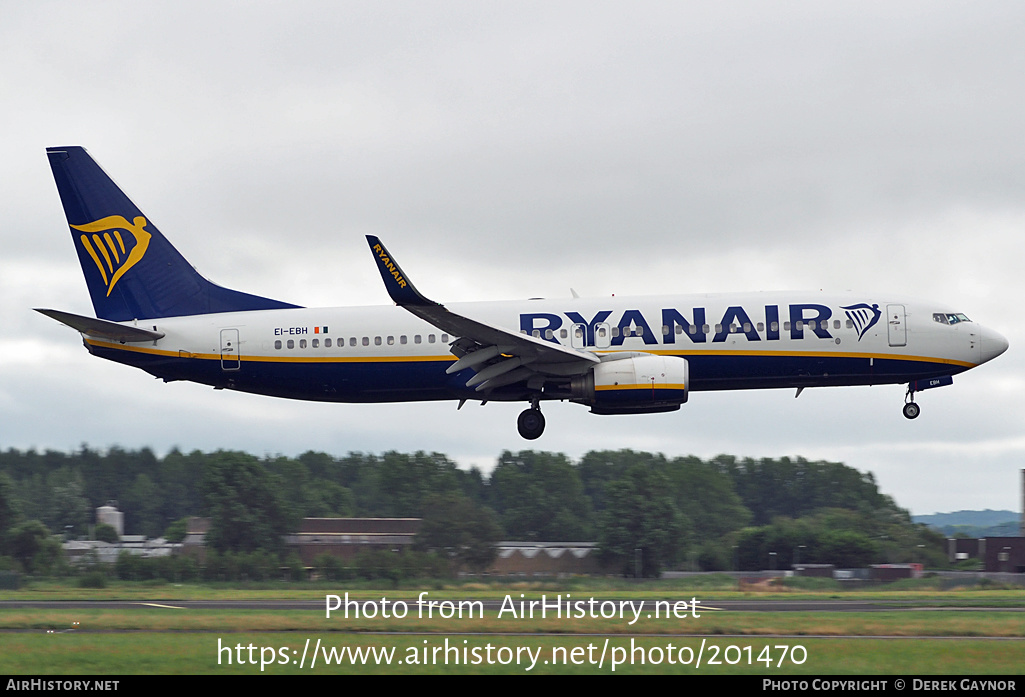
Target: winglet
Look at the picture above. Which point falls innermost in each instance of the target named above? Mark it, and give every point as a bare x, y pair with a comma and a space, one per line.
399, 287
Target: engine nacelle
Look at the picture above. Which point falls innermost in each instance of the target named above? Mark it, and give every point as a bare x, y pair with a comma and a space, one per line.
635, 384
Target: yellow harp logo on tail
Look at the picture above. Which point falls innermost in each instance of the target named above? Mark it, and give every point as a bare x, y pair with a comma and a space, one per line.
106, 245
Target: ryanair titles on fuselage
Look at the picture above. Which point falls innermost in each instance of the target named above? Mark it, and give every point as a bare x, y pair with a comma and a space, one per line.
796, 320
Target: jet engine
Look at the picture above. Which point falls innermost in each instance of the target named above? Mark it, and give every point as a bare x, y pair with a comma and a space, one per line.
636, 383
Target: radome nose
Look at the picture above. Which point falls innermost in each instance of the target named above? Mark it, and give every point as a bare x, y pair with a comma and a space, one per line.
993, 344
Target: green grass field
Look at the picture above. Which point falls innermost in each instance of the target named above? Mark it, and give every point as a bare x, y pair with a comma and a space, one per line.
164, 639
197, 653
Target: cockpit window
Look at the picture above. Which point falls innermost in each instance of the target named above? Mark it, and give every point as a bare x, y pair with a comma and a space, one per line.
949, 317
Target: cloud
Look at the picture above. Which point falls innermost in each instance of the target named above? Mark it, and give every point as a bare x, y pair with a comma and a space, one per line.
512, 151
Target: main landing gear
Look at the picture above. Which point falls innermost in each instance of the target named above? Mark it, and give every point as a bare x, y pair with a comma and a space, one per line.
911, 410
531, 422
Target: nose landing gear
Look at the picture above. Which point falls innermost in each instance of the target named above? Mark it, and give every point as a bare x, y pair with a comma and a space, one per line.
911, 410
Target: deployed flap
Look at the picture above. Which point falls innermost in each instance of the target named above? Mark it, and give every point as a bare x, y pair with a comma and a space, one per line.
533, 352
102, 328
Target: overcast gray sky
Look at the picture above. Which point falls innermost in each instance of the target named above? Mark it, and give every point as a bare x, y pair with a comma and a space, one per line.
517, 149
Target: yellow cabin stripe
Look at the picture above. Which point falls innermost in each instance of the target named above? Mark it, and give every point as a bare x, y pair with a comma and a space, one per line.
451, 358
640, 386
270, 359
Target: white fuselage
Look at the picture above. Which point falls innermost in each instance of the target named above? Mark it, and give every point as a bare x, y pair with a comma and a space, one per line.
384, 353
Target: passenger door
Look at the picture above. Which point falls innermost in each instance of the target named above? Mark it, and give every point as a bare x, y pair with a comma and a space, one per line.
230, 356
896, 325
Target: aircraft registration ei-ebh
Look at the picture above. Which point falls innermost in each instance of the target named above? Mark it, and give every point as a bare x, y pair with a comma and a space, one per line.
617, 355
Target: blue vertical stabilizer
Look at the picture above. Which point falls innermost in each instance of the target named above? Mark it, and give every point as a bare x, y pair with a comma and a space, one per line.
131, 269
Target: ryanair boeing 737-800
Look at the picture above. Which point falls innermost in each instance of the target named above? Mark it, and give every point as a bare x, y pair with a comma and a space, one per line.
614, 355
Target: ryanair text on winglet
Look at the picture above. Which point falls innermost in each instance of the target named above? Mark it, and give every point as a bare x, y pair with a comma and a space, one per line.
390, 266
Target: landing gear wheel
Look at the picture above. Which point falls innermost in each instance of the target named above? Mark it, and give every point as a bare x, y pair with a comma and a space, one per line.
912, 410
531, 424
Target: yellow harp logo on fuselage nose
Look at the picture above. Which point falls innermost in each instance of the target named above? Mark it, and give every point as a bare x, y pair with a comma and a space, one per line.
106, 245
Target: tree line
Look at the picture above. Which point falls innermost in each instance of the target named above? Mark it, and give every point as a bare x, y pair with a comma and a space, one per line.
684, 512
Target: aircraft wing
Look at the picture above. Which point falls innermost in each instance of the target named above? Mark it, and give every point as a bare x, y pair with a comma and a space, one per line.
500, 356
102, 328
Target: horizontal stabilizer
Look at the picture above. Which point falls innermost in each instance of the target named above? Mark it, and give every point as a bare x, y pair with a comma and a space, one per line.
102, 328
